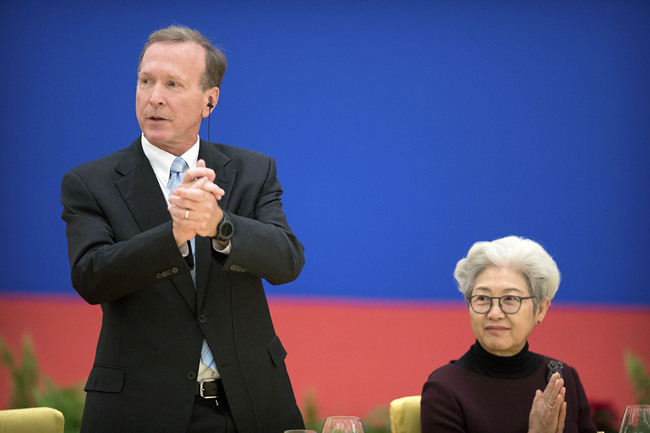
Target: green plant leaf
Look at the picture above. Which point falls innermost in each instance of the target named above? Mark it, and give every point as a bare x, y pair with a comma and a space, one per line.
640, 380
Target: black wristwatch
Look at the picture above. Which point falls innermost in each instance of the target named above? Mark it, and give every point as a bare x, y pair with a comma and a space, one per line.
225, 228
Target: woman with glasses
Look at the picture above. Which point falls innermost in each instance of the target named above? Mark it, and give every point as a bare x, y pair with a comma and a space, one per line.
498, 385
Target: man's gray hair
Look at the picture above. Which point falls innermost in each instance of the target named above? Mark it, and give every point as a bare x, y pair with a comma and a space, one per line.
215, 60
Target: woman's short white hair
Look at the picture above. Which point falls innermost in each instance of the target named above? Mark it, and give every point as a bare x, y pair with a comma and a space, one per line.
518, 254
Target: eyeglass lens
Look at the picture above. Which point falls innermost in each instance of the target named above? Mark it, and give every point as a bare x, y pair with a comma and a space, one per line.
509, 304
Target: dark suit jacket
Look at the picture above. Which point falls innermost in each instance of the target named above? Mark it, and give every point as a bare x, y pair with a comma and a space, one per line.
124, 257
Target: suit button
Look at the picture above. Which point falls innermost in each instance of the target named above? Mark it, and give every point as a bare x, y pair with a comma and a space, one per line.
202, 319
191, 375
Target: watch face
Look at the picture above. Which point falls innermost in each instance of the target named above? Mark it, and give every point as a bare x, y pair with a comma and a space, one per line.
226, 229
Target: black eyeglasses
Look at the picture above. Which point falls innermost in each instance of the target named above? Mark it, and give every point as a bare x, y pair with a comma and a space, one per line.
509, 304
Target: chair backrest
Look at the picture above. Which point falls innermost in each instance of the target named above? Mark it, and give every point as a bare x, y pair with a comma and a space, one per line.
405, 415
30, 420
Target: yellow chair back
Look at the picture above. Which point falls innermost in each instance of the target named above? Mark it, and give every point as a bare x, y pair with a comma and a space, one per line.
31, 420
405, 415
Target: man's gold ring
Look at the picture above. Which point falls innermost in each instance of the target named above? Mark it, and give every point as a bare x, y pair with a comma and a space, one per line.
187, 213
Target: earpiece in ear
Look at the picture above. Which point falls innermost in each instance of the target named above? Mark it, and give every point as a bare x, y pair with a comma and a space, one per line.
210, 105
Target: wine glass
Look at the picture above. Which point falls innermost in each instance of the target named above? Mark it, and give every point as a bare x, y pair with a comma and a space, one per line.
343, 424
636, 419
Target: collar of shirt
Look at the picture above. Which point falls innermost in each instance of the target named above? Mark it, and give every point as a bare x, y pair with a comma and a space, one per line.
161, 161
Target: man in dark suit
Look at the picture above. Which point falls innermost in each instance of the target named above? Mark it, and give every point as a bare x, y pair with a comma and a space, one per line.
187, 343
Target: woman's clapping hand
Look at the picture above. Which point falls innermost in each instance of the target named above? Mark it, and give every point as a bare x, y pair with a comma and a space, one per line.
549, 408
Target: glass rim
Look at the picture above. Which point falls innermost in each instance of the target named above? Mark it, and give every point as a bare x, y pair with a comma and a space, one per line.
492, 298
299, 430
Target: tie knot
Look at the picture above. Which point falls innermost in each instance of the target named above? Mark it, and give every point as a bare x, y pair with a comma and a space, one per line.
178, 166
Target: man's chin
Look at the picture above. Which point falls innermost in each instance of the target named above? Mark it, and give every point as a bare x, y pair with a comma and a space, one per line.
157, 138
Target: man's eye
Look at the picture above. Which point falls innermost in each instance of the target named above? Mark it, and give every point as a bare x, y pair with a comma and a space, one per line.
172, 84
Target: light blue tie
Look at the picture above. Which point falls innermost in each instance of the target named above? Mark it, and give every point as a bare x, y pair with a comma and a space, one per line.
176, 172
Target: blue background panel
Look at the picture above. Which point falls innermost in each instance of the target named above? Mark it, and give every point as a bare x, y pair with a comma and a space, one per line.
403, 131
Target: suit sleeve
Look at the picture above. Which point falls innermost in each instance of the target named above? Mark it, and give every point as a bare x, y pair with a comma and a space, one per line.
439, 409
107, 264
263, 243
577, 398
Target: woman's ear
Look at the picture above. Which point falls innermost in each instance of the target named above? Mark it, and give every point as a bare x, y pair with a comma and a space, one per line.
542, 308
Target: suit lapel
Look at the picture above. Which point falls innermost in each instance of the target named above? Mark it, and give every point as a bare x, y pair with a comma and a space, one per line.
140, 189
141, 192
218, 161
225, 178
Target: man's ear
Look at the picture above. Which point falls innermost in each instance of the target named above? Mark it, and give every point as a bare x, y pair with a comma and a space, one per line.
212, 97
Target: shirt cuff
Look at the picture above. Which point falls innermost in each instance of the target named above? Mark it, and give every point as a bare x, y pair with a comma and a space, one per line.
221, 249
184, 249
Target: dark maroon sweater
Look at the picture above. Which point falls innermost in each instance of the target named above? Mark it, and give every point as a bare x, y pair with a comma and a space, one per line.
483, 393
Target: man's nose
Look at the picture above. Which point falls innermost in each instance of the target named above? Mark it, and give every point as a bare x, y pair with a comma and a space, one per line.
157, 96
